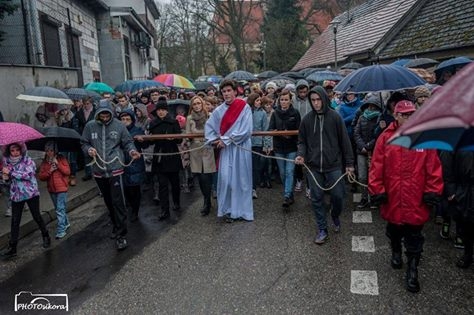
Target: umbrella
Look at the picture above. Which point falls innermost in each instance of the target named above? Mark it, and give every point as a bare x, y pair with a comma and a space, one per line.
174, 80
99, 87
125, 86
352, 65
202, 86
144, 85
13, 132
279, 80
307, 71
452, 65
267, 74
293, 75
79, 93
400, 62
240, 75
67, 139
214, 79
319, 76
174, 104
378, 78
446, 120
45, 94
421, 63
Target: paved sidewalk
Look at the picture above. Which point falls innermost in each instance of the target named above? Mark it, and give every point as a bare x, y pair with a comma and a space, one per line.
77, 195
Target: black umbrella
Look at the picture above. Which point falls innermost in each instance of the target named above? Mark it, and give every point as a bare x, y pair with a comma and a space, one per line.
240, 75
294, 75
307, 71
174, 104
352, 65
267, 74
202, 86
67, 140
421, 63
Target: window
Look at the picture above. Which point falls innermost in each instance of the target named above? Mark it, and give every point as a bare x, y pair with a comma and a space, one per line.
128, 62
74, 54
50, 36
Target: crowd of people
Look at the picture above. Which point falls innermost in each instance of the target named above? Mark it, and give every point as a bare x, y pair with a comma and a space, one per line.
335, 135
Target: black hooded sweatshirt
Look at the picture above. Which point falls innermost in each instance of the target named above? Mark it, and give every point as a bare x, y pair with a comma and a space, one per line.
323, 141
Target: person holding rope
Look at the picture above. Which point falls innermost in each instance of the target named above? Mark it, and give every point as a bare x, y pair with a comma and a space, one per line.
323, 143
229, 127
107, 139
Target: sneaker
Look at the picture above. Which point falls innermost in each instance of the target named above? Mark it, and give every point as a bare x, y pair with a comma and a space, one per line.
444, 233
67, 227
121, 243
60, 235
286, 202
308, 193
72, 181
291, 201
322, 237
8, 212
363, 203
337, 224
254, 194
439, 219
299, 185
458, 243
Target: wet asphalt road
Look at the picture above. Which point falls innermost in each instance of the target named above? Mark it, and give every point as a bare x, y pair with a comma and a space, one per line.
198, 265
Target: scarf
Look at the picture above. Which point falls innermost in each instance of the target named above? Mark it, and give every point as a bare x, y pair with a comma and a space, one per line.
231, 115
199, 118
14, 160
371, 114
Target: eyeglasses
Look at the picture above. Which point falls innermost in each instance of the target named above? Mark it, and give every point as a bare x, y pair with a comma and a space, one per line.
405, 115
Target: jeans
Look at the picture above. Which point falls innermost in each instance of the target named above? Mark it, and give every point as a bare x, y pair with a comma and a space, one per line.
362, 170
256, 167
286, 169
317, 194
59, 202
72, 158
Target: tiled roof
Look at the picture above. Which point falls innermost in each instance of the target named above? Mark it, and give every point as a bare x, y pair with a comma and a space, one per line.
440, 24
360, 30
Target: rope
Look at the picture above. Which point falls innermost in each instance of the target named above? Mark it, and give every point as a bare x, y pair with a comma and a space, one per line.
351, 177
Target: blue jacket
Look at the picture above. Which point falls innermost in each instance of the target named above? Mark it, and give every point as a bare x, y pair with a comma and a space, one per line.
260, 123
347, 110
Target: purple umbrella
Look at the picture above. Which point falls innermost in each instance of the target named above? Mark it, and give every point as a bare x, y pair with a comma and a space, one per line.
13, 132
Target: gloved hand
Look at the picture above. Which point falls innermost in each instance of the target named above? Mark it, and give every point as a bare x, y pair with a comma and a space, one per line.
431, 199
378, 199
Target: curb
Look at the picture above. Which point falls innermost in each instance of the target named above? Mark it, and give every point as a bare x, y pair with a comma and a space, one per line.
49, 215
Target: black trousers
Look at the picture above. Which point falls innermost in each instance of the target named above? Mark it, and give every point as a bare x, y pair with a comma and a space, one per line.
256, 167
164, 179
112, 191
205, 185
466, 232
411, 235
17, 211
133, 195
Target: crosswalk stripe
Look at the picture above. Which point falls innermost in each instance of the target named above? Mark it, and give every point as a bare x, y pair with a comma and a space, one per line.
362, 217
364, 282
364, 244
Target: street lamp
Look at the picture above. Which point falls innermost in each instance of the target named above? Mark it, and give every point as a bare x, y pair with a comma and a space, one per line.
334, 25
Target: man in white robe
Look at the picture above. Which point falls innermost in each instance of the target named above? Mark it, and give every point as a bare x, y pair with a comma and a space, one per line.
230, 126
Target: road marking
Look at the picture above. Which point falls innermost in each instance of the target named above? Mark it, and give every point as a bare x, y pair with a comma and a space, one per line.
364, 244
364, 282
362, 216
356, 197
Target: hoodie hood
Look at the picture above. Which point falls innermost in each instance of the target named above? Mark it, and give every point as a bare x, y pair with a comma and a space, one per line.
104, 106
323, 95
142, 108
302, 83
374, 99
6, 148
130, 113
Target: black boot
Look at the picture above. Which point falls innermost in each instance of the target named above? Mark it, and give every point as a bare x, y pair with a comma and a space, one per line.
165, 214
412, 273
11, 251
46, 241
206, 209
466, 260
396, 261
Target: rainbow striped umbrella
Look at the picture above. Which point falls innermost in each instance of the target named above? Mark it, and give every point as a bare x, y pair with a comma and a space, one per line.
174, 80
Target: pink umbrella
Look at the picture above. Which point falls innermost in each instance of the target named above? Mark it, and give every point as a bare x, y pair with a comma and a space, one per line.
446, 120
13, 132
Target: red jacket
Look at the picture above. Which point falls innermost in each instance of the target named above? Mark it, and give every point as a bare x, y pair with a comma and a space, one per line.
58, 180
404, 175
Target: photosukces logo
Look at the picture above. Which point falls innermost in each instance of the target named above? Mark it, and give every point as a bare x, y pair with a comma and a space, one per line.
27, 301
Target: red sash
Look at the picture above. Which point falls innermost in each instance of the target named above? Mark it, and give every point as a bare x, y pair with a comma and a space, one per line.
230, 116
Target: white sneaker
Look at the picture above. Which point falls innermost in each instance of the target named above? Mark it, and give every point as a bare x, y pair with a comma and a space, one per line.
299, 185
254, 194
8, 212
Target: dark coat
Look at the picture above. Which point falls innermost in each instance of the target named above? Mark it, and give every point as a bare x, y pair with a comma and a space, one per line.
364, 134
135, 173
289, 119
169, 163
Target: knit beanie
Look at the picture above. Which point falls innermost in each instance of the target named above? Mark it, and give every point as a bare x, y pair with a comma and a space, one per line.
271, 84
162, 103
422, 91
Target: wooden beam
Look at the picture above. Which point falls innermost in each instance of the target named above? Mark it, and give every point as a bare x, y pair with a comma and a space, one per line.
201, 135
